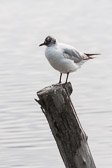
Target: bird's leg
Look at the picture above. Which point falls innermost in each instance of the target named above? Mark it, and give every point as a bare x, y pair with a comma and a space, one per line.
67, 77
60, 77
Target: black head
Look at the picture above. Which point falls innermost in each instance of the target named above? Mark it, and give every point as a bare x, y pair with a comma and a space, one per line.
49, 41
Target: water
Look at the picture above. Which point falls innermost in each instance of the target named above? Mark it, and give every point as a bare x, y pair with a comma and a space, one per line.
25, 138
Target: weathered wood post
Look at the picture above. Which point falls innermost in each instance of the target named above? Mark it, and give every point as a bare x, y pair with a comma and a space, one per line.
62, 118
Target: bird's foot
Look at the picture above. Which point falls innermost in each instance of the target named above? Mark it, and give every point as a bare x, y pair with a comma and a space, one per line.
63, 84
56, 84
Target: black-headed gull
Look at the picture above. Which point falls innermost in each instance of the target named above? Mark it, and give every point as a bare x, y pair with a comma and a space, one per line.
63, 57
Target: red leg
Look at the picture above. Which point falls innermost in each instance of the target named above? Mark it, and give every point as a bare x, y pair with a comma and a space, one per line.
60, 77
67, 77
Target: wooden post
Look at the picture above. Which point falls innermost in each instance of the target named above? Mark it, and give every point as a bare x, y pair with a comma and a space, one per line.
62, 118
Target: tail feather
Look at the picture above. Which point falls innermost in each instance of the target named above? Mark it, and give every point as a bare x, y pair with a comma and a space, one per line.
89, 56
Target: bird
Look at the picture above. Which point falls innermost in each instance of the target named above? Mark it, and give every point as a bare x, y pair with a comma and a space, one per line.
63, 57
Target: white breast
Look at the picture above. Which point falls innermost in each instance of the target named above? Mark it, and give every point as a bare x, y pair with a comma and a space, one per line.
54, 54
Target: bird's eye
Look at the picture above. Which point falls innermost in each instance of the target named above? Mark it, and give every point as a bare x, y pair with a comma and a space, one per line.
49, 39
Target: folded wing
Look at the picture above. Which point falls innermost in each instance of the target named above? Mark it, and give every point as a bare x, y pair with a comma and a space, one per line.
72, 54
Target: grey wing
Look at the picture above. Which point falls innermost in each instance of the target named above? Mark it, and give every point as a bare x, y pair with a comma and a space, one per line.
72, 54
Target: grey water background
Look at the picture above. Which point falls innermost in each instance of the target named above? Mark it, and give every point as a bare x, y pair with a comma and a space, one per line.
25, 138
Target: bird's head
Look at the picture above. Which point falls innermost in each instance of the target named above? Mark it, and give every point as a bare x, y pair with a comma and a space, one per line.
49, 40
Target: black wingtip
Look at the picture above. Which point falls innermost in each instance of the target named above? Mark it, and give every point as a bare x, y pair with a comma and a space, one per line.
92, 54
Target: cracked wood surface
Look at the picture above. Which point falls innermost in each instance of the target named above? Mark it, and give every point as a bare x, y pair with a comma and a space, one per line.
65, 126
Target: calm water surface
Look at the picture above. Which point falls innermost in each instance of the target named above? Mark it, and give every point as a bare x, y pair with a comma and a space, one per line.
25, 138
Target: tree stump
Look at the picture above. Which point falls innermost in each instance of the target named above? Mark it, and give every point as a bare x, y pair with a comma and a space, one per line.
65, 126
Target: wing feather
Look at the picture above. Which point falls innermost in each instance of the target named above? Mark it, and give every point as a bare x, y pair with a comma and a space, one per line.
72, 54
